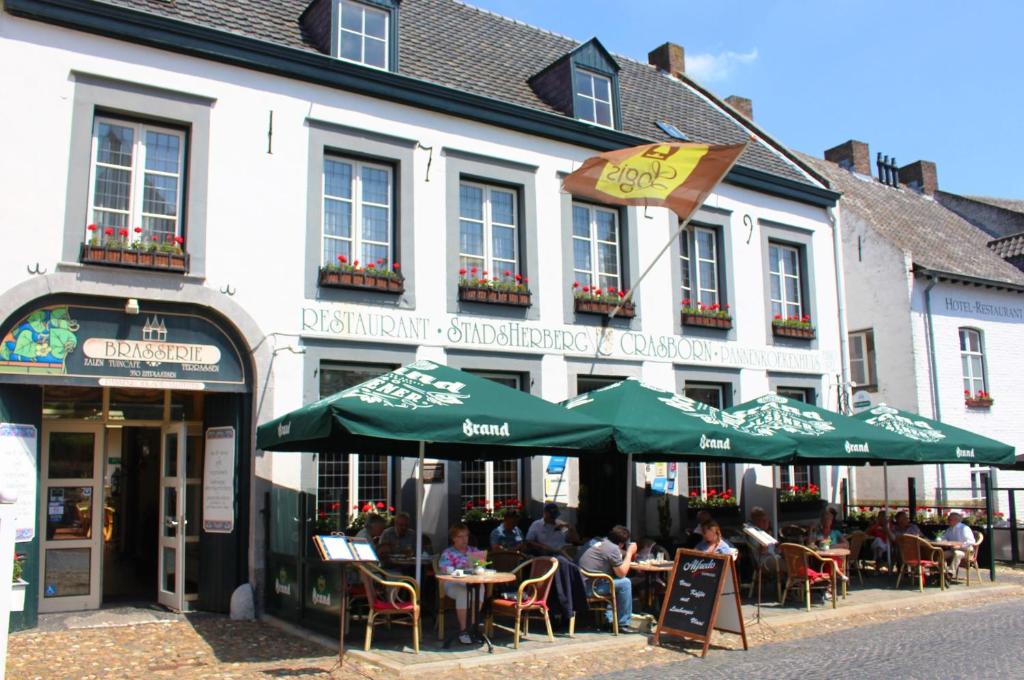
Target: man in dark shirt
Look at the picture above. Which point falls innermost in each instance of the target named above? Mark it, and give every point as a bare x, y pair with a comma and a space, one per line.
613, 556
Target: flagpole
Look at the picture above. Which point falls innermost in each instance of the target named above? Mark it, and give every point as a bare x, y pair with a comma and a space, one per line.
629, 293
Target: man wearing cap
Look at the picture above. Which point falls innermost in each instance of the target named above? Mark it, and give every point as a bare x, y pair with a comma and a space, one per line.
548, 535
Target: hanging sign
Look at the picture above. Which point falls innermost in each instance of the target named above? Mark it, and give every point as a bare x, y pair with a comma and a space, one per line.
699, 583
219, 481
18, 461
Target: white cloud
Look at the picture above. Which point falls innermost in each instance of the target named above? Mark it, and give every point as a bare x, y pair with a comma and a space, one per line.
711, 68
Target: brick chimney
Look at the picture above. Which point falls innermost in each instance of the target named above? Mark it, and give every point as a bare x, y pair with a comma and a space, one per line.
920, 176
852, 155
669, 58
741, 104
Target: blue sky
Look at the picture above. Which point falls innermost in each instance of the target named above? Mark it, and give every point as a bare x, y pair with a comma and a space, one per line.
939, 80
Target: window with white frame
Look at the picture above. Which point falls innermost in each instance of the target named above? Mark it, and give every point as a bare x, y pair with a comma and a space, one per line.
594, 98
137, 182
596, 247
492, 480
358, 221
488, 234
862, 358
972, 358
363, 34
784, 275
699, 266
703, 477
347, 481
795, 475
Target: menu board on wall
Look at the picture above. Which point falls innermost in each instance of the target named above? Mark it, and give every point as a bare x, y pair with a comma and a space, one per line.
18, 461
219, 481
698, 587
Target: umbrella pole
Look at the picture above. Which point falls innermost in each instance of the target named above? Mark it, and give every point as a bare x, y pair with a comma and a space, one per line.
630, 474
775, 500
885, 482
419, 515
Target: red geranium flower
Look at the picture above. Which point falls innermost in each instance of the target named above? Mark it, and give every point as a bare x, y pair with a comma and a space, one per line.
342, 259
686, 302
179, 240
597, 291
462, 271
123, 232
396, 266
370, 266
355, 263
472, 270
109, 231
506, 273
323, 515
367, 507
380, 260
155, 238
575, 284
586, 289
380, 505
485, 273
391, 508
622, 293
519, 277
138, 230
92, 227
777, 317
335, 505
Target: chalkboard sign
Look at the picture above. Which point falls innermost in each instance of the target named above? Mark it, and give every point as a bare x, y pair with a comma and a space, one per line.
697, 586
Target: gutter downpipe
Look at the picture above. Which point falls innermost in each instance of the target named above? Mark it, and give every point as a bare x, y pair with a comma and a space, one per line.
844, 339
933, 387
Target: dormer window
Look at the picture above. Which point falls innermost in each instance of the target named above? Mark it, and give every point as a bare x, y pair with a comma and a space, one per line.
594, 98
363, 34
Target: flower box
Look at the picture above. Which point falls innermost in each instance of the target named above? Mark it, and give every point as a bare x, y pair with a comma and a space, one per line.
492, 296
133, 258
18, 595
707, 321
587, 306
800, 332
979, 402
361, 280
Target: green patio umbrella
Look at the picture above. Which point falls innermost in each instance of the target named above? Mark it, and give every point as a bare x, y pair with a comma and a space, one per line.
427, 408
822, 436
657, 425
937, 442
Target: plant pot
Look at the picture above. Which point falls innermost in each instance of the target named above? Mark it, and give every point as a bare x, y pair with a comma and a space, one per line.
586, 306
18, 595
490, 296
136, 259
706, 321
334, 278
979, 403
792, 332
800, 510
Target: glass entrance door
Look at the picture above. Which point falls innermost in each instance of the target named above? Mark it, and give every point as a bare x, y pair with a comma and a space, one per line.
71, 515
171, 549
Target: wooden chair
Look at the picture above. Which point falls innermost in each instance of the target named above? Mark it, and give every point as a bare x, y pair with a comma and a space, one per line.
854, 562
444, 603
917, 553
800, 575
793, 533
971, 559
598, 603
531, 596
392, 605
506, 560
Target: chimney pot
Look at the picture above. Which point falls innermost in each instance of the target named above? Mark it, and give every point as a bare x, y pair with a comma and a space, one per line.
852, 155
741, 104
921, 176
669, 58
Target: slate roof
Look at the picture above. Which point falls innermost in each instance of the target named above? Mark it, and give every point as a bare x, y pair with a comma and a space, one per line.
935, 237
453, 44
1016, 205
1008, 246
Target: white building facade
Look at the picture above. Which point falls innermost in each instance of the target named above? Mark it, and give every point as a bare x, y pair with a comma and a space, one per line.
242, 166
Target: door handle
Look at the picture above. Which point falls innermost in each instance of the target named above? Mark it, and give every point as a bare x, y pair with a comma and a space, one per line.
171, 523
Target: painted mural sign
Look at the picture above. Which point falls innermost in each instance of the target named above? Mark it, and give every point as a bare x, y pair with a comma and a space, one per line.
344, 322
100, 345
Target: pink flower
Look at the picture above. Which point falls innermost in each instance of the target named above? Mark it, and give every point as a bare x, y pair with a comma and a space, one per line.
462, 271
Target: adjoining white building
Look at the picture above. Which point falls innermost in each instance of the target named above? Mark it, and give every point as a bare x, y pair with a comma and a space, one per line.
935, 319
183, 179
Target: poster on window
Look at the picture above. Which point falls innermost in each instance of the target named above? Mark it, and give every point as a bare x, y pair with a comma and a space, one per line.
219, 481
18, 461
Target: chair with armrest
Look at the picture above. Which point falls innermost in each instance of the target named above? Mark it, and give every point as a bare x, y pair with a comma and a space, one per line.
971, 559
400, 600
918, 554
444, 603
506, 560
855, 563
800, 574
598, 603
530, 596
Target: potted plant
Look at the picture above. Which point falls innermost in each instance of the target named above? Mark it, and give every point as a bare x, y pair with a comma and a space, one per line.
706, 316
800, 501
111, 246
18, 585
587, 300
980, 399
793, 327
376, 276
723, 506
358, 520
509, 289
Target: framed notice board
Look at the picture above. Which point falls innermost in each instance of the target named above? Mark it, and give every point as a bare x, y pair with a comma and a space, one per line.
336, 548
702, 595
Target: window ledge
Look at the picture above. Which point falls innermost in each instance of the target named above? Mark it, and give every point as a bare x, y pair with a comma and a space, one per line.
491, 296
599, 307
792, 332
134, 259
706, 321
360, 280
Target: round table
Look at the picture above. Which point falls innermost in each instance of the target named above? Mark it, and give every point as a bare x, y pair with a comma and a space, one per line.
650, 569
842, 554
952, 545
486, 580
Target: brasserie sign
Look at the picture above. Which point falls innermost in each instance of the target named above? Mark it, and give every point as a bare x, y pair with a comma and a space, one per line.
455, 331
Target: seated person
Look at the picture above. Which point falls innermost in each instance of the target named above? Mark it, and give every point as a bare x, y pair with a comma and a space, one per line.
713, 541
824, 531
696, 536
612, 556
373, 529
400, 540
767, 555
883, 536
459, 556
548, 535
507, 537
959, 533
905, 526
